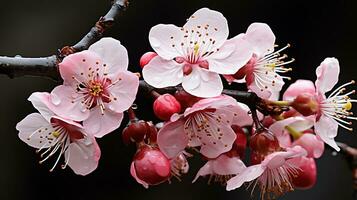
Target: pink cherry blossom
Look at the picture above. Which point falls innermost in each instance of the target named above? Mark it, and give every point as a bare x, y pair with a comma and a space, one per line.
261, 73
52, 135
206, 124
310, 142
272, 176
195, 54
222, 168
333, 110
97, 87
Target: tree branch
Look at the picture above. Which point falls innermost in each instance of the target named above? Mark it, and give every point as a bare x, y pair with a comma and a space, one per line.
47, 66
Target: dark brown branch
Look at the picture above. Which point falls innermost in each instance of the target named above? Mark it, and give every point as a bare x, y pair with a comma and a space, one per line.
47, 66
97, 31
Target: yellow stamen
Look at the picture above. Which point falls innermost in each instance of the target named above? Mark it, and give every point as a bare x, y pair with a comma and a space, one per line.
196, 48
56, 134
348, 106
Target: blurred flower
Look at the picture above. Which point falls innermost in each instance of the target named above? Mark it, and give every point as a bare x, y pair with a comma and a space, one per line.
52, 135
97, 87
333, 111
206, 124
195, 54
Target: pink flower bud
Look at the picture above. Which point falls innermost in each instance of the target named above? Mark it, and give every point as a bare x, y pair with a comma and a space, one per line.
306, 177
150, 166
146, 58
165, 106
305, 104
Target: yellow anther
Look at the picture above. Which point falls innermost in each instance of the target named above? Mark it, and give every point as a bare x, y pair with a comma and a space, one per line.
348, 106
196, 48
56, 134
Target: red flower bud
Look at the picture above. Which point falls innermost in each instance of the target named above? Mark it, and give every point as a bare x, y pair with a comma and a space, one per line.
305, 104
264, 142
165, 106
151, 166
146, 58
137, 131
306, 177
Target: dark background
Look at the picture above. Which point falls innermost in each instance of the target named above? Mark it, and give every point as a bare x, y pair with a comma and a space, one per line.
316, 29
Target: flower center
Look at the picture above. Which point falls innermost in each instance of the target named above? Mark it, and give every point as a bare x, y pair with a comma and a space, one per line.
96, 89
337, 106
266, 70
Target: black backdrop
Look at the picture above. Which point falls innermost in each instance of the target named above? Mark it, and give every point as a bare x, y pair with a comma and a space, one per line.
39, 27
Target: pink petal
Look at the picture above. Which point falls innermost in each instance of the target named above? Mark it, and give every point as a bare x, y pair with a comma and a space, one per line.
270, 90
205, 170
113, 54
61, 99
217, 28
35, 131
99, 125
299, 87
327, 75
247, 175
312, 144
161, 73
225, 165
261, 37
214, 102
218, 137
326, 128
124, 91
242, 115
83, 156
298, 123
41, 101
133, 174
165, 40
233, 55
202, 83
79, 67
172, 139
278, 159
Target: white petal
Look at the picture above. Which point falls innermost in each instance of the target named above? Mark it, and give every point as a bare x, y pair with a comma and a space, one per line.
113, 54
161, 73
327, 75
261, 37
166, 39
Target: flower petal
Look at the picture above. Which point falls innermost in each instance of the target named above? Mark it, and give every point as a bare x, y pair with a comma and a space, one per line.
165, 40
161, 73
225, 165
80, 67
218, 137
233, 55
211, 22
299, 87
172, 139
35, 131
326, 128
98, 124
113, 54
261, 37
247, 175
205, 170
124, 91
41, 101
208, 85
83, 156
327, 75
61, 99
312, 144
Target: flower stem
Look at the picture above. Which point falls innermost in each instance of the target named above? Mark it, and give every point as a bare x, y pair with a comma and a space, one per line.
293, 132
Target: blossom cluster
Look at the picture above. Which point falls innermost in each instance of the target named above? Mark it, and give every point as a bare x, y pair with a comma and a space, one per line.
198, 118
